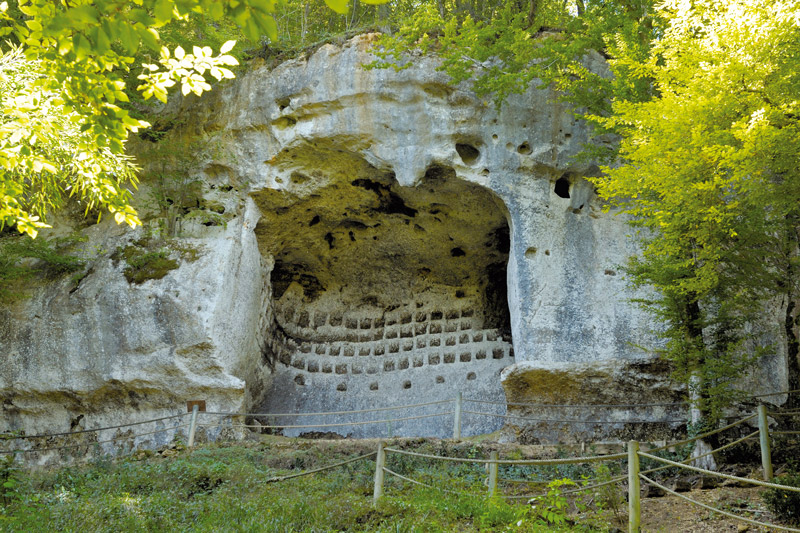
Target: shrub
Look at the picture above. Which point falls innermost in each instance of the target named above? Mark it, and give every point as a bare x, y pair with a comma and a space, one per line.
785, 504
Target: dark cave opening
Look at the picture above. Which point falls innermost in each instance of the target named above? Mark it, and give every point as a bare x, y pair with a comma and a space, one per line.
391, 288
561, 187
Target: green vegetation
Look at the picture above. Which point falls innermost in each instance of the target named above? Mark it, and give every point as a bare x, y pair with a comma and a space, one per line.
785, 504
23, 261
224, 488
151, 258
63, 128
709, 172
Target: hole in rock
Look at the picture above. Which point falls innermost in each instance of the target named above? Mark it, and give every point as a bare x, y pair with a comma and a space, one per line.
366, 294
524, 148
468, 153
561, 187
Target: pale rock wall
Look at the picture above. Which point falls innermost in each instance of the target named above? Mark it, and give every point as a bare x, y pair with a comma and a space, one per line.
106, 352
398, 240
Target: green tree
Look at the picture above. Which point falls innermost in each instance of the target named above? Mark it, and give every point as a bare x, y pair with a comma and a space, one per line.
709, 171
80, 54
503, 46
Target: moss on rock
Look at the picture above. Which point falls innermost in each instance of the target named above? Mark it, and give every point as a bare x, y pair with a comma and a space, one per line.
150, 259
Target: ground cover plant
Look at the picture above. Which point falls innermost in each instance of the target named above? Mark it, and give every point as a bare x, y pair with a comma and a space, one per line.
233, 487
225, 488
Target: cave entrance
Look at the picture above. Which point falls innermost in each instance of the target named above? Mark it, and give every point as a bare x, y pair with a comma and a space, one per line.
384, 295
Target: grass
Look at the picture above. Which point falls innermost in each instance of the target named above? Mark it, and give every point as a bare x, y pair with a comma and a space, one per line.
224, 488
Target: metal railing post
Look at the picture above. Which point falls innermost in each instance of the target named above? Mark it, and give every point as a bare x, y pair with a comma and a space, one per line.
634, 507
493, 474
380, 463
457, 418
193, 425
763, 434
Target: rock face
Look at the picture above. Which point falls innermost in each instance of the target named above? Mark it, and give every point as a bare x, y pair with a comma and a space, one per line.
391, 239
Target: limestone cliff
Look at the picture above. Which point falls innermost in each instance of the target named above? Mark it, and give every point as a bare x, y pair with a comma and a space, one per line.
389, 239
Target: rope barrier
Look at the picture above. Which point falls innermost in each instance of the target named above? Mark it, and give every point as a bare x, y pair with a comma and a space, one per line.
785, 432
564, 461
784, 413
415, 482
322, 469
714, 509
526, 481
573, 491
376, 409
341, 424
720, 474
578, 421
773, 393
44, 435
712, 452
587, 405
87, 444
703, 435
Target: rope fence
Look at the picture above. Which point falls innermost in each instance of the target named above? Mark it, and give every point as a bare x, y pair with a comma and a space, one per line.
716, 510
93, 443
577, 405
12, 436
341, 424
321, 469
491, 464
634, 472
573, 421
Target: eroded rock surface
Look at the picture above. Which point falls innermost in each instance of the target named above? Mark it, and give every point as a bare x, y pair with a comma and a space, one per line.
391, 239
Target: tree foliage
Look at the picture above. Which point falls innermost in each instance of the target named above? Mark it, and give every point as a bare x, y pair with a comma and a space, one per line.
80, 53
503, 46
709, 169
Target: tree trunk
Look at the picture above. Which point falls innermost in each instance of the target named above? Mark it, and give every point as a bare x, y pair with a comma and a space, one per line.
701, 447
580, 6
533, 9
304, 24
440, 5
697, 389
792, 315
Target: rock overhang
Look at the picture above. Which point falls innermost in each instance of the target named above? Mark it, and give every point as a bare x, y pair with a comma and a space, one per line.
299, 141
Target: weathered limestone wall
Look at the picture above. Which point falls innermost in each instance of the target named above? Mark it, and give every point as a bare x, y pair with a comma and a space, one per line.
392, 239
106, 352
321, 121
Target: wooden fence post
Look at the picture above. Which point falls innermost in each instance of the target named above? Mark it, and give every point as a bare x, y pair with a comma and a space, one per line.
380, 463
493, 474
634, 508
193, 425
457, 418
763, 434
